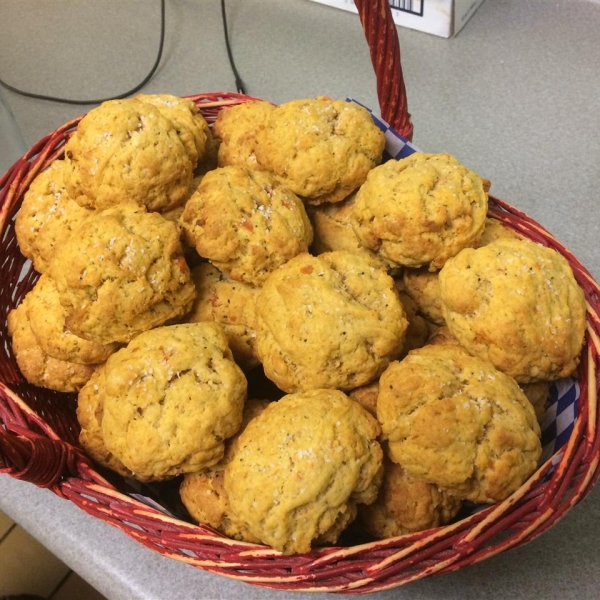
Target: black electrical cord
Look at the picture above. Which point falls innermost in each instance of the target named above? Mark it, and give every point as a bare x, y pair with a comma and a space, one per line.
238, 80
239, 84
99, 101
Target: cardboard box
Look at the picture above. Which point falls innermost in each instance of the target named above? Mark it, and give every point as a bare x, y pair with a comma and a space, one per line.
444, 18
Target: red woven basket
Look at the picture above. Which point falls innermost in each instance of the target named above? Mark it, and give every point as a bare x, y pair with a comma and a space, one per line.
38, 428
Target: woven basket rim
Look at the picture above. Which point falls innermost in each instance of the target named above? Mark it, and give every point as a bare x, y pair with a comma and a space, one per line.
34, 449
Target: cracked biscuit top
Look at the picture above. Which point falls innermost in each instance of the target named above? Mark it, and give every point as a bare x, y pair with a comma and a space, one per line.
320, 148
300, 467
127, 151
47, 320
246, 223
517, 304
332, 321
420, 210
47, 216
122, 272
459, 423
191, 127
171, 399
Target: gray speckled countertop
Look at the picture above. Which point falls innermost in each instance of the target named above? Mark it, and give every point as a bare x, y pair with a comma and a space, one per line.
515, 96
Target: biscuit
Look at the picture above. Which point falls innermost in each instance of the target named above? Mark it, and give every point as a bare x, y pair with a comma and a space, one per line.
47, 321
232, 305
127, 151
321, 149
423, 287
495, 230
538, 393
171, 398
455, 421
47, 216
203, 493
366, 396
332, 321
333, 231
420, 210
90, 410
35, 365
300, 465
121, 273
406, 504
245, 223
192, 128
417, 331
517, 304
236, 128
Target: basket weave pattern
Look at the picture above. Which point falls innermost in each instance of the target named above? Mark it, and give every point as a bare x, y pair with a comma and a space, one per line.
38, 434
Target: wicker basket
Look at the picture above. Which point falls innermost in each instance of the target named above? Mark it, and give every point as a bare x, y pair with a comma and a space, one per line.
38, 428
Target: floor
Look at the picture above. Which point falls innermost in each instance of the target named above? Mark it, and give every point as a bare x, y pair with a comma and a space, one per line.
26, 567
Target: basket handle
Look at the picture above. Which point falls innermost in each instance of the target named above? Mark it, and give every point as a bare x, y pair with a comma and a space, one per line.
382, 37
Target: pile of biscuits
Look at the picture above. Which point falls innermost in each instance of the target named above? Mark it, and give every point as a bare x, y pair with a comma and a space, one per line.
411, 338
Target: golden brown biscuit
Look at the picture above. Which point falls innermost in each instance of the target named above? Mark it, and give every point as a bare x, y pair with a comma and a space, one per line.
232, 305
406, 504
192, 128
121, 273
47, 321
538, 393
203, 493
517, 304
417, 331
457, 422
171, 398
495, 230
322, 149
420, 210
333, 231
301, 465
332, 321
90, 410
245, 223
127, 151
366, 396
236, 128
35, 365
47, 216
423, 287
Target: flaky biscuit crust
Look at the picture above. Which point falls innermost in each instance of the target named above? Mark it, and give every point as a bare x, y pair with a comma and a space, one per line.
47, 216
232, 305
420, 210
47, 320
246, 223
236, 128
299, 465
457, 422
35, 365
127, 151
332, 321
423, 287
517, 304
172, 397
322, 149
406, 504
122, 273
